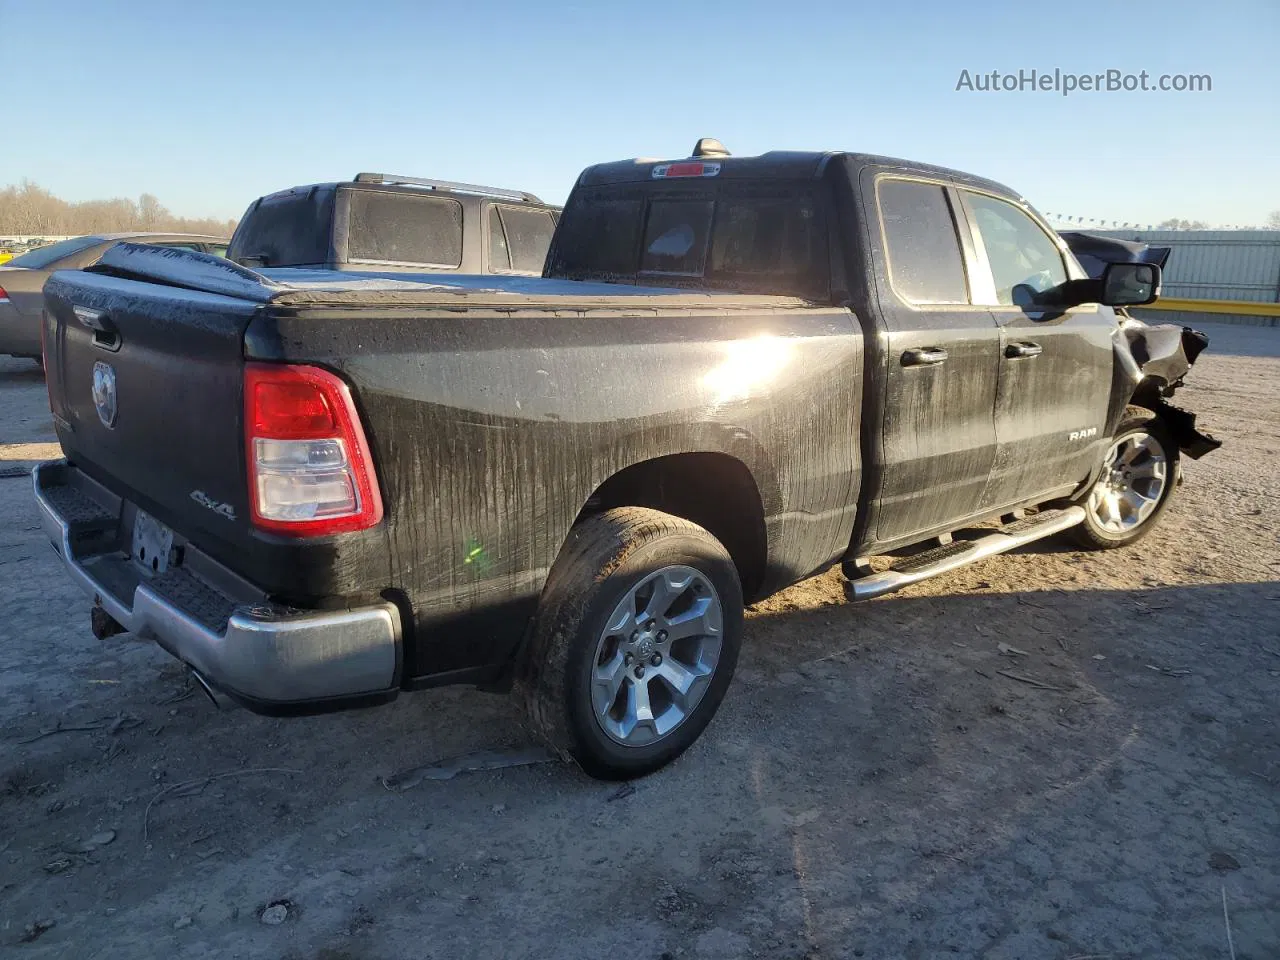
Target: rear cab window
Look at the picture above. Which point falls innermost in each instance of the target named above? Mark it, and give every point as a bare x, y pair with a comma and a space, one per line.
41, 257
765, 236
403, 229
675, 237
287, 229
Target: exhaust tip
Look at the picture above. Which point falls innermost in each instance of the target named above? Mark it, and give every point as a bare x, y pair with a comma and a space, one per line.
219, 700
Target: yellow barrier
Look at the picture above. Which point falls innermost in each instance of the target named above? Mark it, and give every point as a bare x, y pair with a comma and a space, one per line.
1251, 308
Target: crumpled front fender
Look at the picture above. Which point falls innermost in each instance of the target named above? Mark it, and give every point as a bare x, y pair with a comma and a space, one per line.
1151, 362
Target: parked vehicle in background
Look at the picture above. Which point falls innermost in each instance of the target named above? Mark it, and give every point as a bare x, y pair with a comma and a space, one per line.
5, 256
319, 489
23, 277
382, 222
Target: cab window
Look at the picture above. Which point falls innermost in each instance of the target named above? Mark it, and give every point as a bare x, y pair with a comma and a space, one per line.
923, 249
1024, 261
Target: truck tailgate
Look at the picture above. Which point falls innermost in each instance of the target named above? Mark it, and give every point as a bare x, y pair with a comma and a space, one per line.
145, 384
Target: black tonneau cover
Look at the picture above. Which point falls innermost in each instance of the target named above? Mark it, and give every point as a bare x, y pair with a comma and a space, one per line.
300, 286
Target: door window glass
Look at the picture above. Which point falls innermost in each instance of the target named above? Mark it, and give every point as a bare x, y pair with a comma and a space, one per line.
925, 264
1024, 261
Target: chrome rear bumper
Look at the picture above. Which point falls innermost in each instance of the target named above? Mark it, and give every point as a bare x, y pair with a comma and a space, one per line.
258, 652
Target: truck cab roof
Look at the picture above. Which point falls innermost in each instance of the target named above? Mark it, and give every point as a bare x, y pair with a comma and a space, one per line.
774, 165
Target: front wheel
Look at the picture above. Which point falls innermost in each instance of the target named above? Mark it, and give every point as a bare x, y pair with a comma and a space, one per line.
635, 642
1135, 486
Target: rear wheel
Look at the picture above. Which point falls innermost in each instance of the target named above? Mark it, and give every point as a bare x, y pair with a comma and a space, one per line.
635, 642
1136, 483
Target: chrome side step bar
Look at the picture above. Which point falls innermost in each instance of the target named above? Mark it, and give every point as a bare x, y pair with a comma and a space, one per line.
961, 553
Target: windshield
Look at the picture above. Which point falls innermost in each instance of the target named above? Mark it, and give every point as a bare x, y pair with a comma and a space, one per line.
43, 256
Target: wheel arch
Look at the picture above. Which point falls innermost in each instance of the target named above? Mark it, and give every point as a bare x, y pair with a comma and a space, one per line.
713, 489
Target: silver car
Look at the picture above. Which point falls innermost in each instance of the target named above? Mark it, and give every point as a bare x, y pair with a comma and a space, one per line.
22, 279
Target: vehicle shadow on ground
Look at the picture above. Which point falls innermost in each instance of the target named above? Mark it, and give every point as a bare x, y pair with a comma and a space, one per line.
869, 759
19, 373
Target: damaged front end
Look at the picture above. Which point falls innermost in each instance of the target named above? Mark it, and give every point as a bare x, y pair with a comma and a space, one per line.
1152, 361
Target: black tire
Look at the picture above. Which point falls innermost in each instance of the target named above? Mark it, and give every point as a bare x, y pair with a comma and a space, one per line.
1091, 534
605, 558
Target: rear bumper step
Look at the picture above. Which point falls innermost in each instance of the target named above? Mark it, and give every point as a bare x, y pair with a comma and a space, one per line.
272, 658
961, 553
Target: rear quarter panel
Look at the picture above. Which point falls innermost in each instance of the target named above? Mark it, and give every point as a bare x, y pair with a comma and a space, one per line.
491, 429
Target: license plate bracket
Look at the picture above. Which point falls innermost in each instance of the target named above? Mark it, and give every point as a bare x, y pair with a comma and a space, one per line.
152, 543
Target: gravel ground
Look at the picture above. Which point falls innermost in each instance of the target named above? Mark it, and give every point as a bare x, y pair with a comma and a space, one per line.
879, 783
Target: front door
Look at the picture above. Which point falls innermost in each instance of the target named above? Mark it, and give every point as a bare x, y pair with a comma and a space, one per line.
1055, 365
942, 364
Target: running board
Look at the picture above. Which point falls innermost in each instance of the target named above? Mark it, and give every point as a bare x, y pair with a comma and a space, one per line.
961, 553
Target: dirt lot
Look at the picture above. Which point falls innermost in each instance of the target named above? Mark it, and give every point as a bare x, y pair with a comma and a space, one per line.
879, 782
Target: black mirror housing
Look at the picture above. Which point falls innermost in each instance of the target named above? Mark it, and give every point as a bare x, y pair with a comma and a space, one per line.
1130, 284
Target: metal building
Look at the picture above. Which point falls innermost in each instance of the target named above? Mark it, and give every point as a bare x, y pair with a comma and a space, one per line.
1216, 265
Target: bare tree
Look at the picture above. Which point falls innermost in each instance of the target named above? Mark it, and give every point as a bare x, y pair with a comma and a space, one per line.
1176, 224
1273, 220
29, 209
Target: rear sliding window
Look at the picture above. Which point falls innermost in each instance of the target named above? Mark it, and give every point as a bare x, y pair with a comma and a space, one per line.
41, 257
675, 237
751, 238
925, 264
385, 227
598, 240
285, 230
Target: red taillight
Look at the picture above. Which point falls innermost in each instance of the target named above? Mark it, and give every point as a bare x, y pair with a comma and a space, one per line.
310, 472
4, 297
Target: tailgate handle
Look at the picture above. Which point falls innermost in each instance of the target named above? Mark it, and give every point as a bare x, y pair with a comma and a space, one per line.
923, 356
105, 334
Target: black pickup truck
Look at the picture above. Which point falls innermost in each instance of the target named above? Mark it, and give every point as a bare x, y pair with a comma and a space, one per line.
319, 490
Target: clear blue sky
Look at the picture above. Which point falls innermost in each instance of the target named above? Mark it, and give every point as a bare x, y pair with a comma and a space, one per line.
208, 105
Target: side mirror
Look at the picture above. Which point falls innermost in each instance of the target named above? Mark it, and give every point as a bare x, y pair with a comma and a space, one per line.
1130, 284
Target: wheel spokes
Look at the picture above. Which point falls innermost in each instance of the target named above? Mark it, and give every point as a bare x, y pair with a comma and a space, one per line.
1131, 484
607, 681
667, 588
694, 622
656, 655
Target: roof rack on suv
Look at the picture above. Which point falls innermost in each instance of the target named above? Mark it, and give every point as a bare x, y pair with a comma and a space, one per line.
446, 185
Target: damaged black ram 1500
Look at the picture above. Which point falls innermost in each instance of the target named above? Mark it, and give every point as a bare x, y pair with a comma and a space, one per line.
319, 490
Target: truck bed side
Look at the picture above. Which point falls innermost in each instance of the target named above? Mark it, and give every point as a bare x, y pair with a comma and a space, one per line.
494, 429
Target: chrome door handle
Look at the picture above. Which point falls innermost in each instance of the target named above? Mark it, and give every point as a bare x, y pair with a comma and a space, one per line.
923, 356
1024, 348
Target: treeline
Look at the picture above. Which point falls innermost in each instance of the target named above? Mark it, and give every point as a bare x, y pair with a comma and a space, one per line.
30, 209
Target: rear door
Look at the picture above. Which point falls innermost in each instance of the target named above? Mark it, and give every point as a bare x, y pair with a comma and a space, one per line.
942, 356
1055, 365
